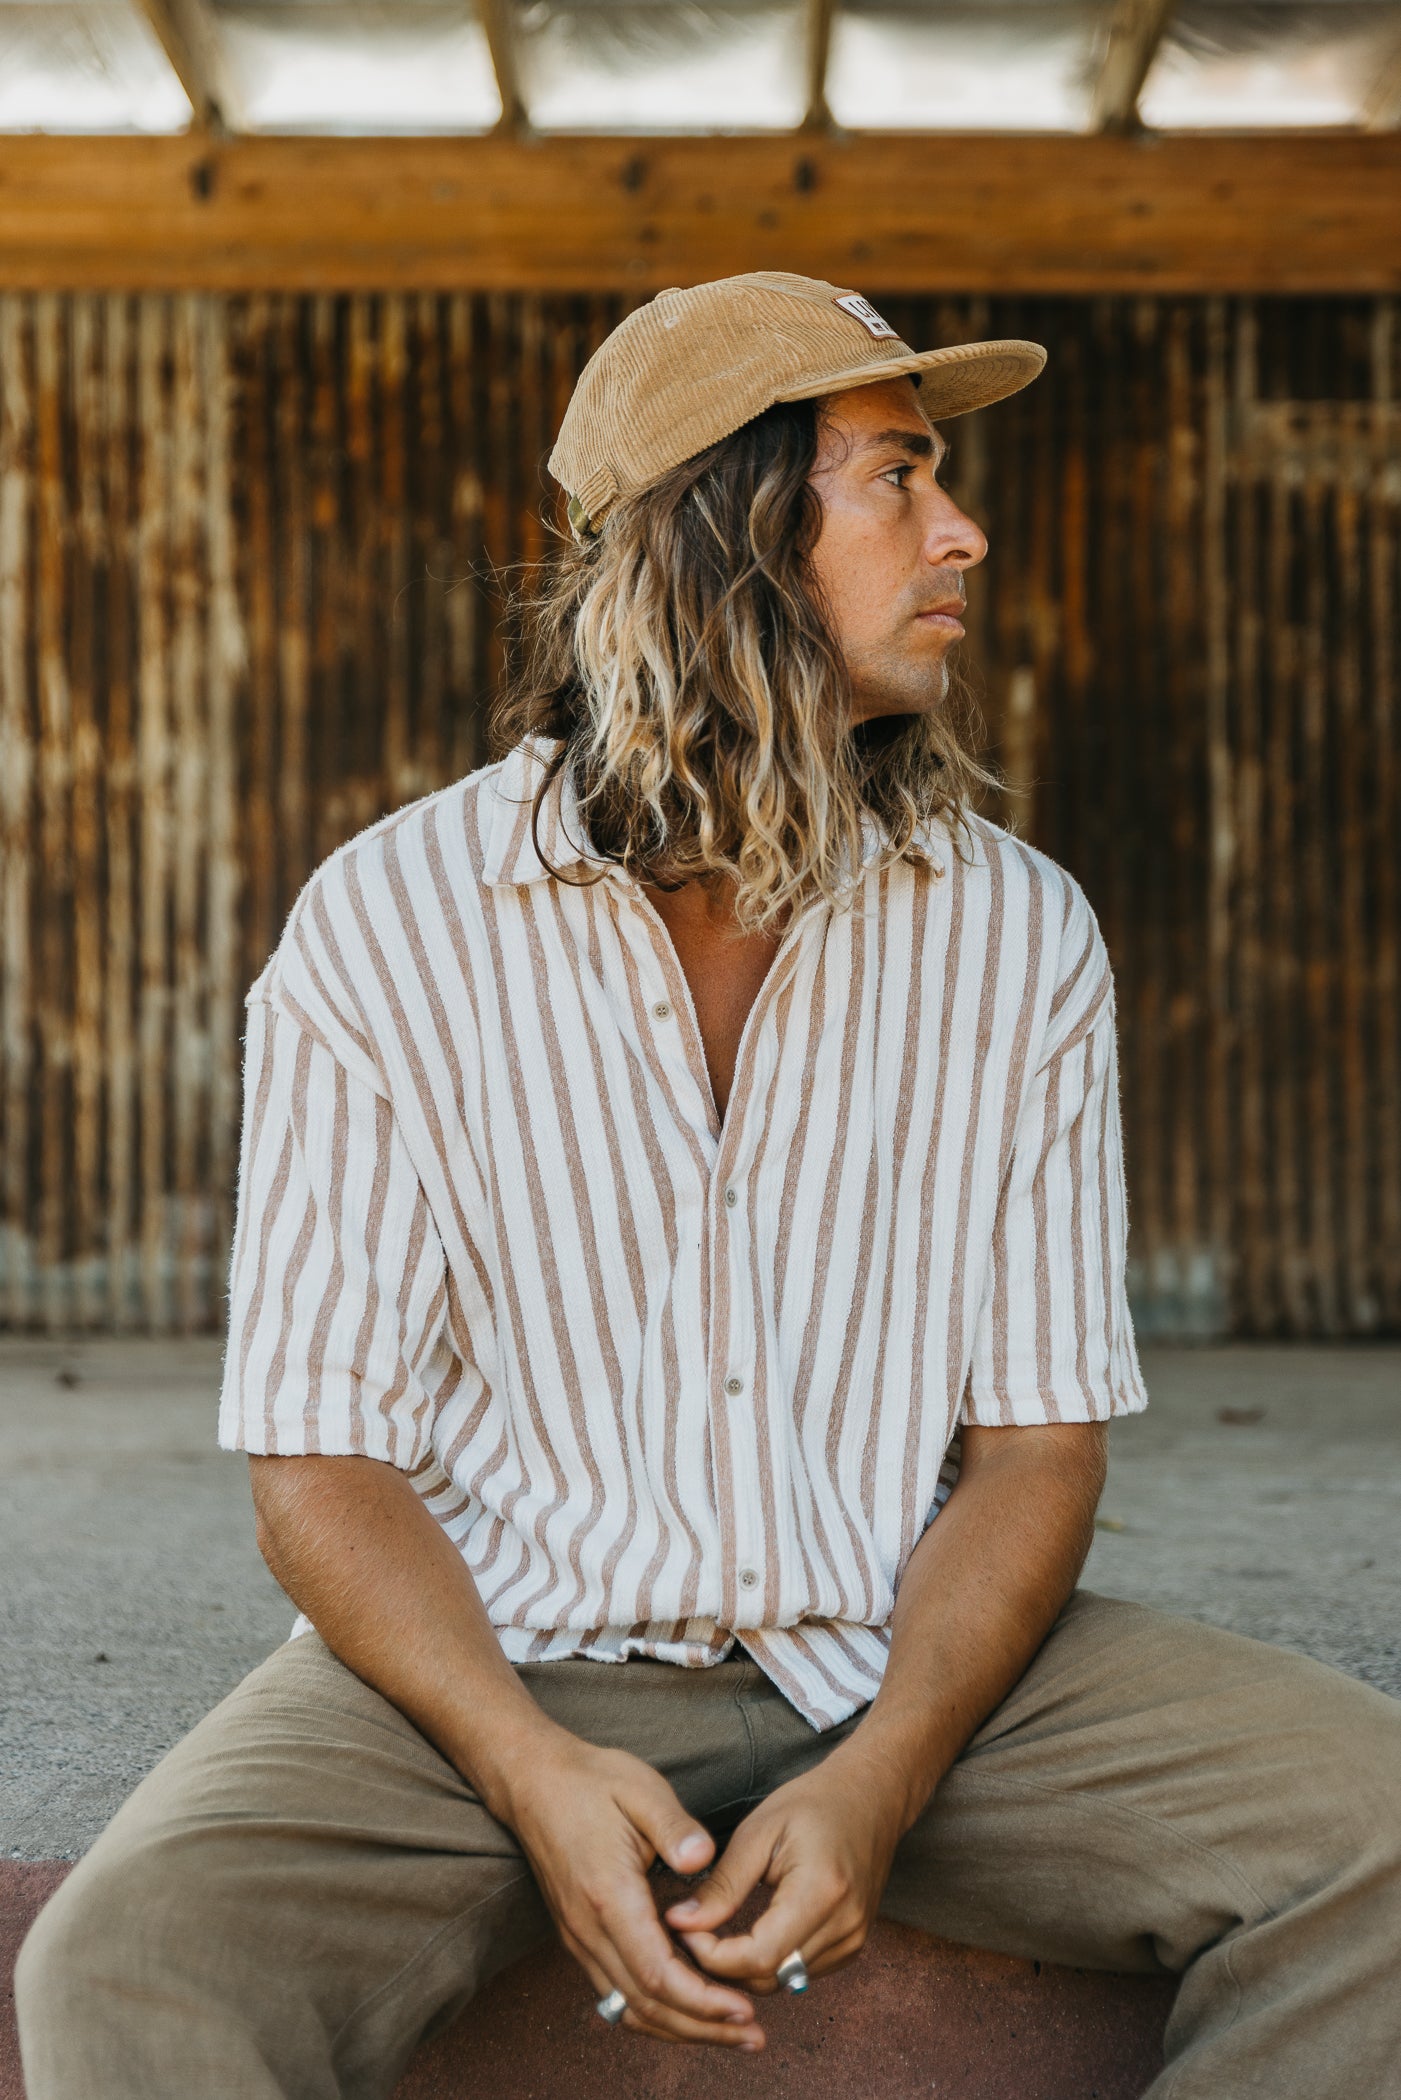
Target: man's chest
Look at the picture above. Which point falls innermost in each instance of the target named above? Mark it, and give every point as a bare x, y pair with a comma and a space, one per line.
618, 1083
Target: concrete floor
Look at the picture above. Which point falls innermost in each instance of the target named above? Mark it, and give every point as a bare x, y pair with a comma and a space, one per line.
1262, 1491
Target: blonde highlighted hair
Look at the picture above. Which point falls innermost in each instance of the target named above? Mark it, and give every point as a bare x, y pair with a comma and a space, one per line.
681, 657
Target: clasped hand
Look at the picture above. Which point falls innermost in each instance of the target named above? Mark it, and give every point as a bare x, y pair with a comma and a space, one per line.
592, 1825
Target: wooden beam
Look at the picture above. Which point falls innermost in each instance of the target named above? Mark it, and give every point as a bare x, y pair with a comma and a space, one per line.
1135, 32
817, 20
188, 36
498, 29
1297, 213
1383, 110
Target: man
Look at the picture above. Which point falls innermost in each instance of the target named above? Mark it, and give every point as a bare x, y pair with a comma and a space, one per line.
675, 1157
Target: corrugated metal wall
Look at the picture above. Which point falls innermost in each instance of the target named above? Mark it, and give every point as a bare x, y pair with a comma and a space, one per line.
246, 605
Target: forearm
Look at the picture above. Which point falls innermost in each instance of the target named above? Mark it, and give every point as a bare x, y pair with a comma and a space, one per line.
356, 1550
978, 1596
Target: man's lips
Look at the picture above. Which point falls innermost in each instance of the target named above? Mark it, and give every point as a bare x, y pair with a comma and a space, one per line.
944, 616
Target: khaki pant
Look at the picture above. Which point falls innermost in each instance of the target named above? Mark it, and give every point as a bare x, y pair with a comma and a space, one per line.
304, 1886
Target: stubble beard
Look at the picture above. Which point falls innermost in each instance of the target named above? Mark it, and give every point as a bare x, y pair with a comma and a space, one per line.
890, 682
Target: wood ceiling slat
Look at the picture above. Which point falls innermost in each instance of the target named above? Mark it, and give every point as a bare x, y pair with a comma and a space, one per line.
1135, 32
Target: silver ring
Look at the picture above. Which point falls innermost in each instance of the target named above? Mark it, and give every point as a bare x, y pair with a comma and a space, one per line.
792, 1973
612, 2007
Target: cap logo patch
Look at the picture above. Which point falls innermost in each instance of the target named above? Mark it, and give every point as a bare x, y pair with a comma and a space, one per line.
862, 310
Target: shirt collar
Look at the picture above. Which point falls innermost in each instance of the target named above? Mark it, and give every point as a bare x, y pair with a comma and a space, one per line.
509, 852
925, 845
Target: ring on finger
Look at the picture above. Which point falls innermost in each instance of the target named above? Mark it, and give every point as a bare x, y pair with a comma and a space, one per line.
792, 1973
612, 2007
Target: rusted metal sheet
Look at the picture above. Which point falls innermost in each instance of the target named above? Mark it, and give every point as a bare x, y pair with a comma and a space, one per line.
1193, 671
252, 555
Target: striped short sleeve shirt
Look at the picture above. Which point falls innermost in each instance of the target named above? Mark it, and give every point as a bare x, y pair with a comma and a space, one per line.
670, 1380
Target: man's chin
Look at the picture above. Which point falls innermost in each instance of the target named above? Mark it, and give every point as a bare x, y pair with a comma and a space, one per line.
900, 702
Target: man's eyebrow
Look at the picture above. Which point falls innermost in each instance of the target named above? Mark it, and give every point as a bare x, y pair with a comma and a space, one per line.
917, 441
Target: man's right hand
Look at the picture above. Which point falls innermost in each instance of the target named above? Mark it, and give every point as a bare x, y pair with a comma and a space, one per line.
591, 1822
353, 1544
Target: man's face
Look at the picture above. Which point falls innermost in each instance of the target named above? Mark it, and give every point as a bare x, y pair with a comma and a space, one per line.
892, 550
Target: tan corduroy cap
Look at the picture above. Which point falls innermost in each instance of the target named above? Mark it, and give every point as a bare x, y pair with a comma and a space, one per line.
691, 366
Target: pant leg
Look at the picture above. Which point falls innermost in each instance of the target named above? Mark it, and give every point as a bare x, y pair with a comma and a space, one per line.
1156, 1795
304, 1887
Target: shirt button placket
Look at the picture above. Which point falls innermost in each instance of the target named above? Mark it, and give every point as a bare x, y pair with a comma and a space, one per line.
741, 1530
743, 1517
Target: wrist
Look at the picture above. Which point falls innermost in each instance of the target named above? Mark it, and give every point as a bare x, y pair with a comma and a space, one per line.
507, 1764
897, 1762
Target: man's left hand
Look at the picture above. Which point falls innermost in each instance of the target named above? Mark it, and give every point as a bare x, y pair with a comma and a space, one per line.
823, 1843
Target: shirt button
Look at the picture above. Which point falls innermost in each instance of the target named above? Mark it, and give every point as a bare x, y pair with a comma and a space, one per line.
732, 1196
662, 1010
748, 1578
734, 1385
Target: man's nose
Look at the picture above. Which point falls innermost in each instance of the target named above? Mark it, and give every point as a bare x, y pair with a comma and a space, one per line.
955, 542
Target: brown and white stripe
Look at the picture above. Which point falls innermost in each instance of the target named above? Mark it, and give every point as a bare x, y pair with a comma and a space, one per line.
670, 1381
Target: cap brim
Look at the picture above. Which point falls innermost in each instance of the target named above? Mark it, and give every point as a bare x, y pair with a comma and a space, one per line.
951, 382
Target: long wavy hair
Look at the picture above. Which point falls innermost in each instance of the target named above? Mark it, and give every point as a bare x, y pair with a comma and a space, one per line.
681, 659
